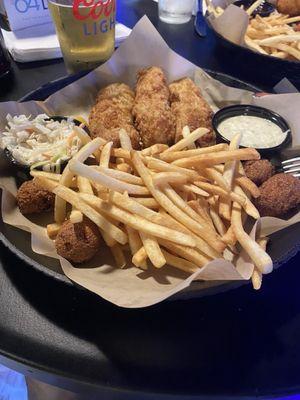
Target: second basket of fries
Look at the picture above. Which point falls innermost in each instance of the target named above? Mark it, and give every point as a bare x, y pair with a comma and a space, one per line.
263, 35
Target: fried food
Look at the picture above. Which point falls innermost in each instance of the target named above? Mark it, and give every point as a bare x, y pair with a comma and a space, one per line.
259, 171
112, 112
152, 113
33, 198
78, 242
290, 7
190, 109
279, 194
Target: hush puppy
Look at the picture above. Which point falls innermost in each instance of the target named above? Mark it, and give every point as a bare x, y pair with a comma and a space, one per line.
33, 198
278, 195
78, 242
259, 171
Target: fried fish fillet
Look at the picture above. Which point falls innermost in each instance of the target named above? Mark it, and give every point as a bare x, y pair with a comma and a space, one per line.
112, 112
290, 7
190, 109
152, 113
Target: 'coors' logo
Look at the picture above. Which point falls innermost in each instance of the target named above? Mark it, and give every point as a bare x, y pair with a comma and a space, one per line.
98, 8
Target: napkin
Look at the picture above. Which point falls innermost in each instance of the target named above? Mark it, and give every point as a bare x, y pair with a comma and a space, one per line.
40, 42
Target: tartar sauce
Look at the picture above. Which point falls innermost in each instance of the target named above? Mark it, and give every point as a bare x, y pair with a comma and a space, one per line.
256, 132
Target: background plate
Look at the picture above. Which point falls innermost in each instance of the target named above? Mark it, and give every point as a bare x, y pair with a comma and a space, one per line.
19, 241
266, 70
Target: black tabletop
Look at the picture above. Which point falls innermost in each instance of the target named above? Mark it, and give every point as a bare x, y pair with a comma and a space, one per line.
233, 344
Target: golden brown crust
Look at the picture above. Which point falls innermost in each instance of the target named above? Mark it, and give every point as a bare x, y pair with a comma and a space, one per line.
33, 198
278, 195
78, 242
190, 109
151, 111
112, 112
290, 7
259, 171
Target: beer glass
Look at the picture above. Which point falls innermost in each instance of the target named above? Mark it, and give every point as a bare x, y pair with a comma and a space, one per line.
85, 30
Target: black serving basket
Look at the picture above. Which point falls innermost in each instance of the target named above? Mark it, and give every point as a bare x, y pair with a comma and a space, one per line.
265, 70
19, 241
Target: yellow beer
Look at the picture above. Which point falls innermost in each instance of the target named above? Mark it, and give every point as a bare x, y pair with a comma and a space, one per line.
85, 30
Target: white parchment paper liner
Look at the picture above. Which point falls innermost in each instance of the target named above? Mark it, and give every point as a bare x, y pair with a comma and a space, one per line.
131, 287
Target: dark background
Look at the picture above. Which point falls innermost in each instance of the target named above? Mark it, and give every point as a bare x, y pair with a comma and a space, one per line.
233, 344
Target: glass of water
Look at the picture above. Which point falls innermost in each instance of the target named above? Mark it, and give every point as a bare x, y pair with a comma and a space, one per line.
175, 11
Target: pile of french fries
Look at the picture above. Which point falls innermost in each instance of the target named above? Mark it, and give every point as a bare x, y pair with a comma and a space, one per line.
273, 35
180, 205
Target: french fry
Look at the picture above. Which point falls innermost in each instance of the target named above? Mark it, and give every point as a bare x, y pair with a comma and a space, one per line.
229, 173
138, 209
254, 6
120, 153
155, 149
185, 142
119, 175
52, 230
218, 158
153, 250
125, 140
84, 185
67, 176
287, 49
135, 244
177, 155
218, 223
168, 205
180, 263
124, 167
105, 154
217, 190
137, 222
194, 189
248, 206
162, 178
147, 202
280, 39
204, 248
217, 177
82, 134
105, 180
179, 202
186, 252
186, 132
76, 216
48, 175
201, 209
259, 257
118, 255
229, 237
75, 200
256, 279
246, 183
257, 275
158, 165
251, 43
140, 257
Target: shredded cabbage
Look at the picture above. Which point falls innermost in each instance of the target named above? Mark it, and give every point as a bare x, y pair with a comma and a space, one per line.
39, 141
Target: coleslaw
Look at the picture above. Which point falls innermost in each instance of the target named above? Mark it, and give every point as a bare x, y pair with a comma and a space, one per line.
40, 141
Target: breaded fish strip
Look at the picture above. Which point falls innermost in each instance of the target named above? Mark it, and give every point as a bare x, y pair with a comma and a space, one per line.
112, 112
152, 113
189, 108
